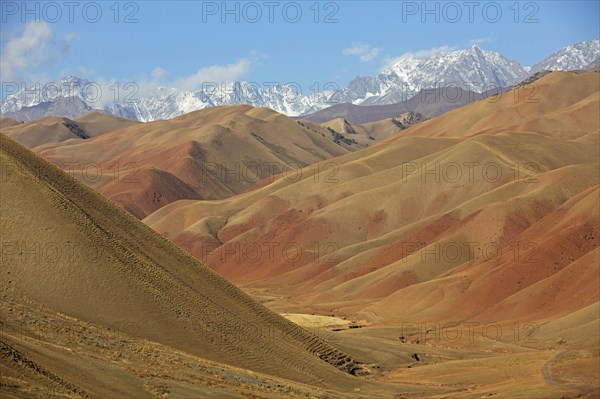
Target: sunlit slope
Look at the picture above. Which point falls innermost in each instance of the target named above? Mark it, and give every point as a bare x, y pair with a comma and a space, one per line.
208, 154
560, 104
454, 218
369, 133
68, 248
51, 130
7, 122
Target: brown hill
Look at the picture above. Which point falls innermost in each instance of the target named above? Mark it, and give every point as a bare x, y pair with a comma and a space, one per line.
428, 102
97, 123
208, 154
81, 259
369, 133
7, 122
467, 244
559, 104
486, 216
494, 175
52, 130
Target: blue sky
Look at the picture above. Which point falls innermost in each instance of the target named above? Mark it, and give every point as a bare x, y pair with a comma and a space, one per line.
185, 43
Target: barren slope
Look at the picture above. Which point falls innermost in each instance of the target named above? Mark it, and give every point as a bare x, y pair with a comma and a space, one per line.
208, 154
466, 246
369, 133
51, 130
86, 259
452, 218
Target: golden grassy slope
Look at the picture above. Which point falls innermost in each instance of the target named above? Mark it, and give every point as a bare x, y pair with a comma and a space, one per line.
79, 256
208, 154
367, 134
485, 216
386, 217
51, 130
560, 104
7, 122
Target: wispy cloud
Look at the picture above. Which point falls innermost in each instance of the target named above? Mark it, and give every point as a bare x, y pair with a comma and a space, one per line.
36, 47
215, 73
364, 51
423, 54
158, 73
158, 81
482, 40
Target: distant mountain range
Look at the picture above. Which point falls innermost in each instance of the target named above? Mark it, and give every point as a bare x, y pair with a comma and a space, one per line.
427, 102
474, 70
581, 55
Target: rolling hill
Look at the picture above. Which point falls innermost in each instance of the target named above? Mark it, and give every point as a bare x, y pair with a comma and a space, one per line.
52, 130
489, 175
86, 267
483, 219
208, 154
428, 102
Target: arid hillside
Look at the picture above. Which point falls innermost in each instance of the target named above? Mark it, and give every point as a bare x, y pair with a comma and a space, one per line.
457, 258
369, 133
208, 154
88, 266
467, 246
52, 131
458, 217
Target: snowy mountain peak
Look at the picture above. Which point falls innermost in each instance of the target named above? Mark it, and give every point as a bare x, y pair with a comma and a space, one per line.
473, 69
575, 56
403, 66
35, 94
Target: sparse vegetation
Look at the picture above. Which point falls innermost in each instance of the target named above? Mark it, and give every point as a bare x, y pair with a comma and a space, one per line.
339, 138
76, 130
532, 78
407, 119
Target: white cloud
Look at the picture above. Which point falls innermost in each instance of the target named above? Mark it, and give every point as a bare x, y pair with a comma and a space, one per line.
156, 83
364, 51
158, 73
123, 89
420, 54
215, 74
423, 54
69, 37
36, 47
482, 40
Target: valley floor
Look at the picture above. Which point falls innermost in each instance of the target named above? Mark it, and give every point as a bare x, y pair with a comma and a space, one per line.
456, 361
50, 355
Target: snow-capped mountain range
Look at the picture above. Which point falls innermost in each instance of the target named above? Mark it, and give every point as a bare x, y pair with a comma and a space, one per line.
581, 55
472, 69
172, 103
